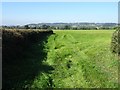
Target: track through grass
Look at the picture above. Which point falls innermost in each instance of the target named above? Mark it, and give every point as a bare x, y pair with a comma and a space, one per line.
81, 59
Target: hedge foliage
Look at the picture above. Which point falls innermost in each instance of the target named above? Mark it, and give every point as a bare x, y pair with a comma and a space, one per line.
115, 43
15, 42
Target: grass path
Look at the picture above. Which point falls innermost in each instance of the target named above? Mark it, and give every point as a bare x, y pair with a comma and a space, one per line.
81, 59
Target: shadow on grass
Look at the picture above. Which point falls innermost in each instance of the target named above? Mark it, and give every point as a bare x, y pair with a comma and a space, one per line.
20, 69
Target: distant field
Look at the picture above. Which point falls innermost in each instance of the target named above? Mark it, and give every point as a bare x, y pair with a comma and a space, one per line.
81, 59
66, 59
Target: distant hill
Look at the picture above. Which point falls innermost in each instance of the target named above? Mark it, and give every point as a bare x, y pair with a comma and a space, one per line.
74, 24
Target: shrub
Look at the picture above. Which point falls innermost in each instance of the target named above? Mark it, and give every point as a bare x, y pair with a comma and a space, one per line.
22, 56
115, 43
15, 42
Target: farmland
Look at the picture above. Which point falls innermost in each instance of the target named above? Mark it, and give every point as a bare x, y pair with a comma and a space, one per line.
69, 59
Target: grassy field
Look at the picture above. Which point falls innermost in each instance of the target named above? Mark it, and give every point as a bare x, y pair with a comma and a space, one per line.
81, 59
67, 59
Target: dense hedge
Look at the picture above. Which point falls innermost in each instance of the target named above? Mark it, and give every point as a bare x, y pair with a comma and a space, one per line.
24, 35
115, 43
22, 56
15, 42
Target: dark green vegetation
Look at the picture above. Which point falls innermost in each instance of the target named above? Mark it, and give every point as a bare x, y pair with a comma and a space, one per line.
23, 53
115, 44
67, 59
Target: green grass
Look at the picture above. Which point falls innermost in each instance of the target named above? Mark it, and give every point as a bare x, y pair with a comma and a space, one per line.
66, 59
81, 59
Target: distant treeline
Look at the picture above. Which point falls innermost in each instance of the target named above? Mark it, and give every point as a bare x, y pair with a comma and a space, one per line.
61, 27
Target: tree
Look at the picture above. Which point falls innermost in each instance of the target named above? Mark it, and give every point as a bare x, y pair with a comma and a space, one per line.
26, 27
45, 26
67, 27
74, 28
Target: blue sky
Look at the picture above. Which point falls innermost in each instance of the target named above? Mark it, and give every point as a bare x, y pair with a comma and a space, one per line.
20, 13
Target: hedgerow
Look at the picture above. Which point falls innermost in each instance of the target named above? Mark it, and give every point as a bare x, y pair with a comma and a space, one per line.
15, 42
115, 43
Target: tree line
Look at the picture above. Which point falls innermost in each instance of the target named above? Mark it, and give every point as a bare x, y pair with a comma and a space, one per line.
65, 27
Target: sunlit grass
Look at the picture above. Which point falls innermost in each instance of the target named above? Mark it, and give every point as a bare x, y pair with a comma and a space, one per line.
81, 59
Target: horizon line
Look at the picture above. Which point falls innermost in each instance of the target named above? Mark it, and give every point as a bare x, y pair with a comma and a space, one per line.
56, 22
